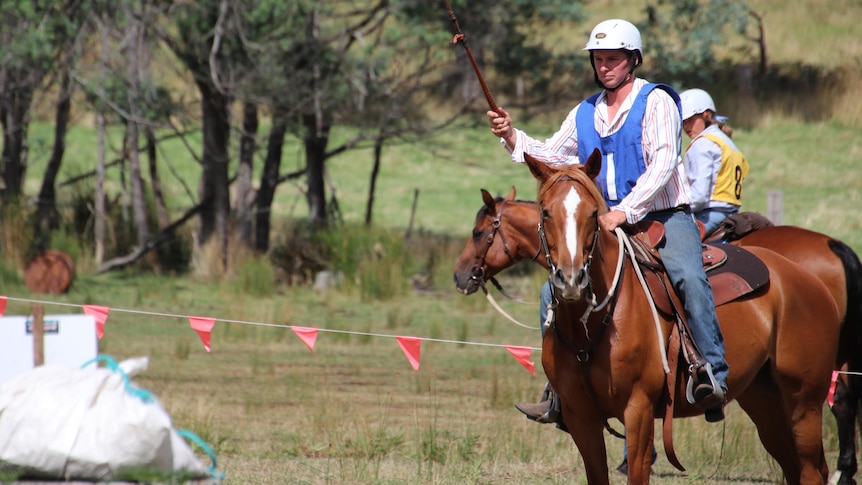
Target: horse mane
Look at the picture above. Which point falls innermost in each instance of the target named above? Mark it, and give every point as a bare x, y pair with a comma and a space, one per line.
522, 201
577, 174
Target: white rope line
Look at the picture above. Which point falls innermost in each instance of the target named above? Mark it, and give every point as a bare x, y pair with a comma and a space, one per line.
274, 325
503, 312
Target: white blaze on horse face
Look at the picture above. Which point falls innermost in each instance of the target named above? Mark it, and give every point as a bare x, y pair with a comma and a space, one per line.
571, 203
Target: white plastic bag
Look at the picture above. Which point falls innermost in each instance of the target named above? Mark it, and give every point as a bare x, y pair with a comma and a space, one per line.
89, 424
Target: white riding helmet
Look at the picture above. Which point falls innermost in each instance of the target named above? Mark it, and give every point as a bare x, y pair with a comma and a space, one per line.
615, 34
695, 102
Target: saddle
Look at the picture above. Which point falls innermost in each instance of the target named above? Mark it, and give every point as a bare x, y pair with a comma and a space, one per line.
732, 270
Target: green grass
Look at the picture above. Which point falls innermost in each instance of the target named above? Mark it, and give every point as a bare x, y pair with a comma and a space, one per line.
354, 411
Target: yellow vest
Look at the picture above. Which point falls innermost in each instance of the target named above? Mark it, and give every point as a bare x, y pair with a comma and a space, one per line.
734, 168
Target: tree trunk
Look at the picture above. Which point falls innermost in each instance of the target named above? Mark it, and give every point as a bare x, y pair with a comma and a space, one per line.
269, 180
99, 223
155, 180
213, 190
47, 205
378, 149
316, 139
99, 192
139, 205
134, 98
244, 200
15, 100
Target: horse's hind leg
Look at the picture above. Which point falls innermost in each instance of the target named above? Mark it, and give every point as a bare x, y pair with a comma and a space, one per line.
761, 401
844, 410
804, 394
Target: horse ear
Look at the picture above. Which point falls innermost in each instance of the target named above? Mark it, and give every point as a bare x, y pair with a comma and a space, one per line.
489, 201
594, 164
511, 195
540, 170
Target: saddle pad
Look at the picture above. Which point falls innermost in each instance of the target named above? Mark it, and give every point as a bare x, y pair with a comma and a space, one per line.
741, 273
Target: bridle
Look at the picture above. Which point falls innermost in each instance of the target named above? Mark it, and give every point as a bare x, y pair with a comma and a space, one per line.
477, 272
585, 271
584, 279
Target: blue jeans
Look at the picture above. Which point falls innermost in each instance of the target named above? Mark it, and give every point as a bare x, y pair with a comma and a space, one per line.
711, 218
681, 254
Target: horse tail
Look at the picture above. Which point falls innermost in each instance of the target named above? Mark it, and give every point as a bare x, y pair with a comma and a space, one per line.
846, 405
851, 328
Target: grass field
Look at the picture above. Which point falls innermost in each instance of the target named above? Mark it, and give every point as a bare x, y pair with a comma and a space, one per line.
354, 411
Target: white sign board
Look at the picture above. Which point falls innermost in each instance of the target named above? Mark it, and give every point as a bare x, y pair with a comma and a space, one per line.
69, 340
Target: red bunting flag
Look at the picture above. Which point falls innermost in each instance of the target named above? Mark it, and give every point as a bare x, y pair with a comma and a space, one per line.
522, 354
307, 334
100, 313
410, 346
830, 397
203, 326
2, 305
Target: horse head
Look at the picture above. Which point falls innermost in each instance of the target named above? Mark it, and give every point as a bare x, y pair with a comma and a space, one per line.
570, 203
485, 254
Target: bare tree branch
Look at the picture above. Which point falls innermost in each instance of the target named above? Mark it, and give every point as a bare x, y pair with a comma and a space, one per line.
218, 35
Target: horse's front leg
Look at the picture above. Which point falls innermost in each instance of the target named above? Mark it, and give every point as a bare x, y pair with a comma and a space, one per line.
639, 423
588, 436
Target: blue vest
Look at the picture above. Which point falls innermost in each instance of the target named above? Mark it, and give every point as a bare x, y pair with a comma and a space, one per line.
622, 152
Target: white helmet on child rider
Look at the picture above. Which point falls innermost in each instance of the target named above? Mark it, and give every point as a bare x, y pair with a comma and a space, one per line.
695, 102
615, 34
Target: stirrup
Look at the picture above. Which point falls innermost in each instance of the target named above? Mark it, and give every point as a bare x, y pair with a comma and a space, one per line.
702, 389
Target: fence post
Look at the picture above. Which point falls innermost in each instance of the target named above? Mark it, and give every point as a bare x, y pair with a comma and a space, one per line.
38, 335
774, 206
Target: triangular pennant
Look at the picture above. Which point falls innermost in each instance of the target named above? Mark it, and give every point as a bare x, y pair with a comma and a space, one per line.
203, 326
830, 397
410, 346
2, 305
307, 334
522, 354
100, 313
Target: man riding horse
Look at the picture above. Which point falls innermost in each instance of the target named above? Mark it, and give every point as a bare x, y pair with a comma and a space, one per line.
636, 126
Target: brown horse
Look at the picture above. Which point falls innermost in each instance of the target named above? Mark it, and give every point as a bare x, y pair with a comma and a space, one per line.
780, 341
505, 232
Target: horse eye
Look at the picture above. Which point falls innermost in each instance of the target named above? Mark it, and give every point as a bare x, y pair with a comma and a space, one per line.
545, 214
477, 234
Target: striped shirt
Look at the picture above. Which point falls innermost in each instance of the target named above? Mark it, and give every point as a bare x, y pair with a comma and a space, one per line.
663, 185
